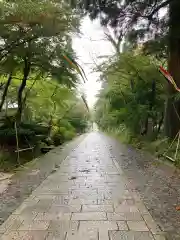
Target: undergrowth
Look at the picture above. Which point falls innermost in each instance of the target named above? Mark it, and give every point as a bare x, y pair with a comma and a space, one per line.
161, 148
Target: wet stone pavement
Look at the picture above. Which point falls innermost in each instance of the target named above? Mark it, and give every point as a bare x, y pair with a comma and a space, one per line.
88, 198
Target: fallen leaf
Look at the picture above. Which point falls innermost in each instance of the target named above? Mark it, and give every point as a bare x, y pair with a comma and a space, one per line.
178, 208
72, 178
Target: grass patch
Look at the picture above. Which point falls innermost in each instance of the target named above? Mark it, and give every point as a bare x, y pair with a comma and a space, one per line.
161, 148
8, 159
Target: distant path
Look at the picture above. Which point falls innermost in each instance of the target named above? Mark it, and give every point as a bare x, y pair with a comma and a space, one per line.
87, 197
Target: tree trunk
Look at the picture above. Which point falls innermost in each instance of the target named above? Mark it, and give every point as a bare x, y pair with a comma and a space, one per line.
160, 123
52, 113
148, 128
5, 91
144, 132
172, 113
26, 72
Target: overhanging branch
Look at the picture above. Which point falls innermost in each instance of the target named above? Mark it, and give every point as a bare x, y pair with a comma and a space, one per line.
162, 5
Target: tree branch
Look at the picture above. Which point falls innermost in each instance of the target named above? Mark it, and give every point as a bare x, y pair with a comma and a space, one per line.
5, 91
163, 4
9, 48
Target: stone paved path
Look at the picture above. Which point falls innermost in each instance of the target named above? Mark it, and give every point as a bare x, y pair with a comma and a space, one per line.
87, 198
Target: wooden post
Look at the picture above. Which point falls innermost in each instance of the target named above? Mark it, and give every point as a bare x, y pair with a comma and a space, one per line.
17, 142
177, 147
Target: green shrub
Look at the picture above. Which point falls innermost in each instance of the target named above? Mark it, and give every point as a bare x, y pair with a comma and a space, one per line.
8, 136
38, 129
62, 133
7, 162
58, 138
47, 141
69, 135
79, 124
27, 132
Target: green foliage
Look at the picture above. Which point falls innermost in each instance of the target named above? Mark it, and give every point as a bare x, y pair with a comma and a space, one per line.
135, 20
62, 132
78, 117
155, 26
28, 133
131, 104
48, 105
6, 163
37, 83
132, 95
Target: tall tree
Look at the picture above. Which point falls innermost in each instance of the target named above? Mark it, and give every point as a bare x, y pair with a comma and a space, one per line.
151, 20
114, 40
131, 95
36, 41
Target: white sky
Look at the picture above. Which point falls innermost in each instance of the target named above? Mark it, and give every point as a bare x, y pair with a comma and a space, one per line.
89, 46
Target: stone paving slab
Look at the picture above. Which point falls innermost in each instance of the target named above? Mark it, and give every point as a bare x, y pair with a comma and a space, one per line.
59, 229
122, 226
159, 237
139, 226
97, 208
89, 216
102, 227
88, 234
93, 206
24, 235
130, 235
131, 216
